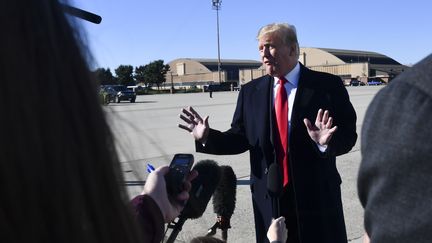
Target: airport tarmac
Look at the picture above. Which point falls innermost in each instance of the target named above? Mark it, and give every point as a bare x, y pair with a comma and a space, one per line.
147, 132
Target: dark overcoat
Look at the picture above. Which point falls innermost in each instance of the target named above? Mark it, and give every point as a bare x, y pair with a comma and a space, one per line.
315, 178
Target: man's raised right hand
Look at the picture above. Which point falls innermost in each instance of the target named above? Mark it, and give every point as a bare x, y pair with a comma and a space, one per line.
198, 127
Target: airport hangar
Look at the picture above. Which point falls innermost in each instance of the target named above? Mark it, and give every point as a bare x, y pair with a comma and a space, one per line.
348, 64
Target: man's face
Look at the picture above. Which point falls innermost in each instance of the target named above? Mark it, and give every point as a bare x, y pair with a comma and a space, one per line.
278, 58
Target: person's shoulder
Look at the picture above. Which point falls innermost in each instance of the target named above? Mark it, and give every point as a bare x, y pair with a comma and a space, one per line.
412, 88
416, 82
320, 80
322, 75
256, 83
312, 74
418, 76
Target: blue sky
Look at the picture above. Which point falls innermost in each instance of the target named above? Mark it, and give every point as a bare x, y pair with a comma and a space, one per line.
136, 32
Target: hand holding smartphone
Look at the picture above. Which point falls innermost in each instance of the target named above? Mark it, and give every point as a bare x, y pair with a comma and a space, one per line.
179, 169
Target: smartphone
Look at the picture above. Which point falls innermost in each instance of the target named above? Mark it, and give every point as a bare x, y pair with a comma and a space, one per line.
179, 169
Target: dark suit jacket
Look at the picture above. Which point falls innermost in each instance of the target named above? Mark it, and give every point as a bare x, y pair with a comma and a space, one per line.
395, 177
314, 175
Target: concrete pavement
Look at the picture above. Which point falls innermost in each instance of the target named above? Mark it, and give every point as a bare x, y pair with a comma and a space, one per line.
146, 131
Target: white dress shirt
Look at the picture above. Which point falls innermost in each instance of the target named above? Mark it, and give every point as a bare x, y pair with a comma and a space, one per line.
291, 89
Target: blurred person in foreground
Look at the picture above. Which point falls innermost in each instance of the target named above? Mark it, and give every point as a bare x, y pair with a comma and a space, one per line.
395, 176
298, 118
60, 178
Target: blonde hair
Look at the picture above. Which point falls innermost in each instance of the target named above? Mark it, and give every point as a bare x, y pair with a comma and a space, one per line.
285, 31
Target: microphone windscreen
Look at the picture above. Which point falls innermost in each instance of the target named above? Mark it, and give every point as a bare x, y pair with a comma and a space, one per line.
274, 180
224, 197
203, 187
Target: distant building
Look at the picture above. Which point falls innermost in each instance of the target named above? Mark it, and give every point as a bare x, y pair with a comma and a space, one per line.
200, 71
348, 64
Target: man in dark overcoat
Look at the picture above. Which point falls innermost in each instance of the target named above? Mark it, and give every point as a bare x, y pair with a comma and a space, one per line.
321, 126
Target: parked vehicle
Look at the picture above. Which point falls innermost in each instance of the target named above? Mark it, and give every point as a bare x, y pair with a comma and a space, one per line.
224, 86
356, 82
135, 88
374, 82
117, 93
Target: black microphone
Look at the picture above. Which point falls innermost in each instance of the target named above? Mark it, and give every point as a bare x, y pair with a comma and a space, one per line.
224, 199
82, 14
203, 186
274, 187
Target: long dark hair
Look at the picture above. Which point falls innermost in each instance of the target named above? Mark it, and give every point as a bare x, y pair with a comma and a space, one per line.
59, 171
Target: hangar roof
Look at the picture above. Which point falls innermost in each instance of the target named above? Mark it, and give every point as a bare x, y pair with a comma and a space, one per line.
327, 56
212, 63
353, 56
224, 61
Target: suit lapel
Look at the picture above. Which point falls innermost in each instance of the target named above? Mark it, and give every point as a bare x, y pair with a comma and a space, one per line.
263, 113
271, 110
303, 97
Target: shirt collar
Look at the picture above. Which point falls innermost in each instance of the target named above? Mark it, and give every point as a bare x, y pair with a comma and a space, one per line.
292, 77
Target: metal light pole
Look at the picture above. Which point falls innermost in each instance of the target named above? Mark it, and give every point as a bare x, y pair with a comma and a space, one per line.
216, 6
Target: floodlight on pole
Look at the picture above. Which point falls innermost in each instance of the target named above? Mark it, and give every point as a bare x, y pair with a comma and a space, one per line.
216, 5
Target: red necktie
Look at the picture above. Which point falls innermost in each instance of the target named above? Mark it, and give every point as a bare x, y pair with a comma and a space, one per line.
281, 110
